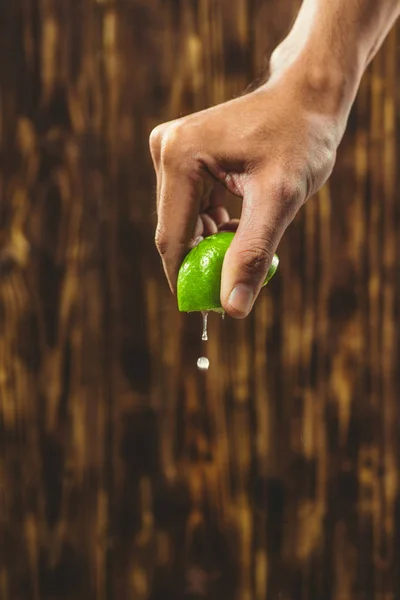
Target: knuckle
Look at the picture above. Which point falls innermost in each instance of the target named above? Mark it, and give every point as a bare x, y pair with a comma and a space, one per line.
161, 241
323, 165
174, 145
256, 259
276, 58
288, 193
155, 141
286, 189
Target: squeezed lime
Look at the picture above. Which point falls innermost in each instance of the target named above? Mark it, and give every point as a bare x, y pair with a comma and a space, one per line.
199, 277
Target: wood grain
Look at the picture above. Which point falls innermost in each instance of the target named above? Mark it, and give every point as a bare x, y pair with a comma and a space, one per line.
125, 473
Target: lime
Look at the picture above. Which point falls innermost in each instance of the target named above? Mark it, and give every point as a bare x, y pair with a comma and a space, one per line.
199, 278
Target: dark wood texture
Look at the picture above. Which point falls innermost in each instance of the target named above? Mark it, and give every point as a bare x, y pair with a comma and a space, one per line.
125, 473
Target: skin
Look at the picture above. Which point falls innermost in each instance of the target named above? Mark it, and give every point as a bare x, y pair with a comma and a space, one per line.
273, 147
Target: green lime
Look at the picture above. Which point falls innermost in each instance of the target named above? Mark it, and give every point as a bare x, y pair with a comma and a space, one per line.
199, 278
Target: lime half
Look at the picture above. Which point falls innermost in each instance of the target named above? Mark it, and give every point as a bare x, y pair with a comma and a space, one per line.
199, 278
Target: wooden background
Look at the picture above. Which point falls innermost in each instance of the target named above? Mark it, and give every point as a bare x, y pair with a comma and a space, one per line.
125, 474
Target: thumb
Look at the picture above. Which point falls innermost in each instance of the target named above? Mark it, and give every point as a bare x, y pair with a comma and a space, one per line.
263, 221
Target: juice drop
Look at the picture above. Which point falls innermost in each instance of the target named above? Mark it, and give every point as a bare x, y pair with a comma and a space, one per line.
203, 363
204, 336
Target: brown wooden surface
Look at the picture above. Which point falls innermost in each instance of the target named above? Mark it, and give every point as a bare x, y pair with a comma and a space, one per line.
124, 473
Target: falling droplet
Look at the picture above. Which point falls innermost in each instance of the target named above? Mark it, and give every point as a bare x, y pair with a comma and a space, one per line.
223, 315
204, 337
203, 363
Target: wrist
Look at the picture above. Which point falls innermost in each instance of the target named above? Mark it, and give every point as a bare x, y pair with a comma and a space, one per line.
325, 84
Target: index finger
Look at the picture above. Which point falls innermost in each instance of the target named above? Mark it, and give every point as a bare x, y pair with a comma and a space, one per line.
181, 193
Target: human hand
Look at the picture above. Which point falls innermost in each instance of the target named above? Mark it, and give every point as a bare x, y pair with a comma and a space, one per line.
273, 148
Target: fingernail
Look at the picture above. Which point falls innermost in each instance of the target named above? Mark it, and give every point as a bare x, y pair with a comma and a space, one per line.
241, 299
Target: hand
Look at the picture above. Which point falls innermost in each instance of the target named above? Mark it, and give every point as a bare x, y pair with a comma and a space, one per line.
273, 147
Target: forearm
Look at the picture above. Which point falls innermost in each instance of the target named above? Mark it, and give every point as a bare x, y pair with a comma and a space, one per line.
332, 42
